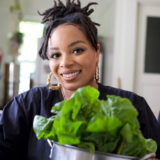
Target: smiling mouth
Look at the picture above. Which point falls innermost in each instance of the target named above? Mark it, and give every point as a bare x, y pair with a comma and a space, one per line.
70, 76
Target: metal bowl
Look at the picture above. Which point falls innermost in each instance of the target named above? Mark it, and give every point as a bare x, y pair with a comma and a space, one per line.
67, 152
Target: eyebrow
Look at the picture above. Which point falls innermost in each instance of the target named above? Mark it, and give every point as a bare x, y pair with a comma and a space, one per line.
76, 42
70, 45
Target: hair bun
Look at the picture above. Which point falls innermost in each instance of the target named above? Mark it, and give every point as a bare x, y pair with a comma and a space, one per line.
60, 10
71, 13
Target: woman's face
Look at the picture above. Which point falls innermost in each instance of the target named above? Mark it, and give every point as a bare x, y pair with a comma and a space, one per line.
72, 58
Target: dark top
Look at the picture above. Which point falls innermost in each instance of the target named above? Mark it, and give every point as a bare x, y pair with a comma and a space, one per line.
159, 117
18, 140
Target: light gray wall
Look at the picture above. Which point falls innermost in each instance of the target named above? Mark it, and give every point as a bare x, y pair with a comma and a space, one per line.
6, 25
108, 32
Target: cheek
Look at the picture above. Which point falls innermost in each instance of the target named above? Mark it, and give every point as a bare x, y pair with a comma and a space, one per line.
91, 60
53, 67
89, 64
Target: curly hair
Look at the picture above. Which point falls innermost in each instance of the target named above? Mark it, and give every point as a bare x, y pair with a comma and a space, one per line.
71, 13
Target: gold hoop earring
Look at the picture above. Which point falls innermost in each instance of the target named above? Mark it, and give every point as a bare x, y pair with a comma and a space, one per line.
97, 73
49, 83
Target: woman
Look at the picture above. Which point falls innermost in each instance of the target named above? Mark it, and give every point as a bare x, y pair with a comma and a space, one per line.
71, 46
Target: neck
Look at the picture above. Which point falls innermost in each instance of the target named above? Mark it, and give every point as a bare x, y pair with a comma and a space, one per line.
68, 93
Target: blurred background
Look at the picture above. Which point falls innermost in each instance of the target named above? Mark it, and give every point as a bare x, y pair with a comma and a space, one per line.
129, 35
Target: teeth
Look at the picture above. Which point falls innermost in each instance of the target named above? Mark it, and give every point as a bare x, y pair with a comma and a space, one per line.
70, 74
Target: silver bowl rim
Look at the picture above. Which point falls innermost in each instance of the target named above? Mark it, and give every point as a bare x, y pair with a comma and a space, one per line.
97, 152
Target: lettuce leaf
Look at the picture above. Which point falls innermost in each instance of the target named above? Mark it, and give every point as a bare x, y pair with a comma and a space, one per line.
98, 125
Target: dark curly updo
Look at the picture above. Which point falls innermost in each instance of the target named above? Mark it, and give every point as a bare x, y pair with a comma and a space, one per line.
71, 13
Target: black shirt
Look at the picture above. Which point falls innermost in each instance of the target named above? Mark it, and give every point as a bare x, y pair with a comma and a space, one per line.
18, 140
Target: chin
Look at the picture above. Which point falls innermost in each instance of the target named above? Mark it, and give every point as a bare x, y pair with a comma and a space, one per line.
75, 86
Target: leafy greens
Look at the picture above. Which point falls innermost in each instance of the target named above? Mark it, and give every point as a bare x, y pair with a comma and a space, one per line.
103, 125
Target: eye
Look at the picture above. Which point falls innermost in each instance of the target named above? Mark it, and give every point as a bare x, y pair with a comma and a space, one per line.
54, 55
78, 50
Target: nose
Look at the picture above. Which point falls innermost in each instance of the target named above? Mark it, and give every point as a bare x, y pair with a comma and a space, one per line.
66, 61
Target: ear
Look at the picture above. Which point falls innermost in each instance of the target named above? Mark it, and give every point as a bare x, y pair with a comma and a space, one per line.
98, 52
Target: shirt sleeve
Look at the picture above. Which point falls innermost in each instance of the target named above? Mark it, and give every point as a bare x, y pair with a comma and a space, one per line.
13, 131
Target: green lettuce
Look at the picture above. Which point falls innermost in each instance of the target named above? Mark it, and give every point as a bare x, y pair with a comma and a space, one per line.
98, 125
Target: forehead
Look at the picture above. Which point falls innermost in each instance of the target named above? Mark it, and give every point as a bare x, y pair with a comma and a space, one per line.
68, 32
69, 26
